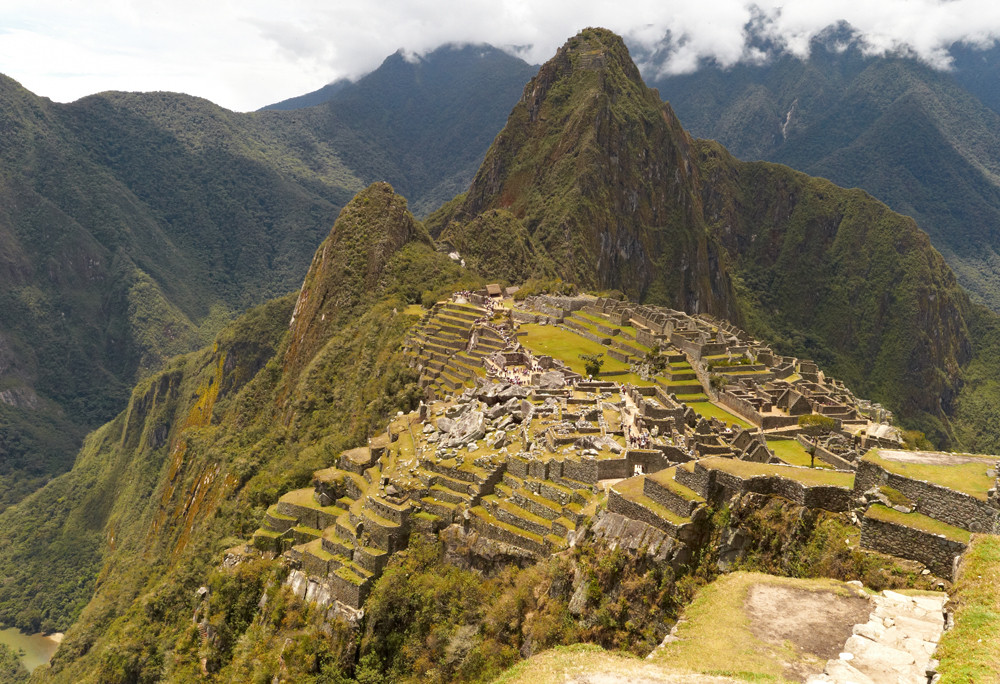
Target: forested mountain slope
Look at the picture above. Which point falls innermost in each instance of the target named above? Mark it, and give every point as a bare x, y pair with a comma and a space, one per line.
919, 139
134, 225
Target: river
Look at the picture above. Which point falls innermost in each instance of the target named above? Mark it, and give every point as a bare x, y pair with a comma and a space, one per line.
38, 649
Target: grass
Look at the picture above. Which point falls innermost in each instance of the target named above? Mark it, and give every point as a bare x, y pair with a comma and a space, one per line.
810, 477
970, 478
666, 478
631, 489
716, 636
970, 652
710, 410
918, 521
566, 346
793, 453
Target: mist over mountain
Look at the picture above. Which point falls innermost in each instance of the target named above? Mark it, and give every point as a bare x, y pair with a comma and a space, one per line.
920, 139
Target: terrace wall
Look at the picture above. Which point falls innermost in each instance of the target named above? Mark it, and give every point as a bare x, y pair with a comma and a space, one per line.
934, 551
941, 503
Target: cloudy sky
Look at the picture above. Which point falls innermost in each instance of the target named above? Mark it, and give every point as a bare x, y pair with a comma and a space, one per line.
244, 54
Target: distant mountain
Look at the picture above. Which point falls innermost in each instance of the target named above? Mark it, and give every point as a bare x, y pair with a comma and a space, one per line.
918, 139
423, 125
316, 97
132, 226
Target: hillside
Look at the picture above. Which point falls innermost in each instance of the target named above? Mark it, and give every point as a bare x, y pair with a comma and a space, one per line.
854, 120
135, 225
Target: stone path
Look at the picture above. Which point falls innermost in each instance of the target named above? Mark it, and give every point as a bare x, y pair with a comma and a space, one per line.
895, 646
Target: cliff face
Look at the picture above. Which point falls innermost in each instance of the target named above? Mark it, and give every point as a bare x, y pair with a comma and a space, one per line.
600, 173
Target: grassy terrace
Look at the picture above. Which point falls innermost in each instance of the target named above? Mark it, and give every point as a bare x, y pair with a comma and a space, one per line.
666, 478
970, 477
810, 477
970, 652
717, 635
631, 489
710, 410
917, 521
793, 453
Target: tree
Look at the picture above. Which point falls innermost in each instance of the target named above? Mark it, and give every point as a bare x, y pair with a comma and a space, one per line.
592, 363
814, 425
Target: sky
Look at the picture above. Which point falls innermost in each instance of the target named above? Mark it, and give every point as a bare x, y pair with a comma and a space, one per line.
244, 54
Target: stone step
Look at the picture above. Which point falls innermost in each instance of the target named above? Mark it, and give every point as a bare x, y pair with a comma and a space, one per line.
335, 544
300, 534
279, 522
443, 509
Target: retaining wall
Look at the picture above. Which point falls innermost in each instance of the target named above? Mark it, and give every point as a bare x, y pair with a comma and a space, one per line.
947, 505
934, 551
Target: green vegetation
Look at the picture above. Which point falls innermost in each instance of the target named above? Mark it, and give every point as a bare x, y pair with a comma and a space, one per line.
969, 477
12, 670
793, 453
917, 521
703, 407
970, 651
592, 364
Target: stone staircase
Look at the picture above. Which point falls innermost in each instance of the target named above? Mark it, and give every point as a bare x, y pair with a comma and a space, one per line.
439, 346
897, 643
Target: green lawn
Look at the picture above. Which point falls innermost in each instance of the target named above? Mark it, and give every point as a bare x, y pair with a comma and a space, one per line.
793, 453
566, 346
970, 478
710, 410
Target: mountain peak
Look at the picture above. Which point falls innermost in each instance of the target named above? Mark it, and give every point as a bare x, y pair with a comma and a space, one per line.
599, 172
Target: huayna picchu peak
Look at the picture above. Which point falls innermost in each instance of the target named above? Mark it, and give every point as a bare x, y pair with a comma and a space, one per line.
625, 396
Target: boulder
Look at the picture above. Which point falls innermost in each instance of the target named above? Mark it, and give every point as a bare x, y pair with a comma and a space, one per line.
551, 380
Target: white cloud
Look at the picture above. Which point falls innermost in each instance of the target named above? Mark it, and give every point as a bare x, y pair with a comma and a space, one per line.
245, 54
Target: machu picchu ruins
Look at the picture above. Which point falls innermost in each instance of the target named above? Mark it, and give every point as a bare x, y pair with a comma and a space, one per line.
517, 452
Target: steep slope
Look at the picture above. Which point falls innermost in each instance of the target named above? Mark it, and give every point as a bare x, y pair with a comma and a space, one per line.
132, 226
918, 139
207, 444
601, 175
618, 196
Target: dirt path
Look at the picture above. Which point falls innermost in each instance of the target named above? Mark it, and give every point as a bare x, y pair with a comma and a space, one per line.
817, 623
931, 457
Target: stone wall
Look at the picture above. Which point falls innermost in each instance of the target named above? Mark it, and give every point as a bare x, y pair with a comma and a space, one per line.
348, 592
630, 509
934, 551
947, 505
740, 407
829, 498
669, 499
506, 536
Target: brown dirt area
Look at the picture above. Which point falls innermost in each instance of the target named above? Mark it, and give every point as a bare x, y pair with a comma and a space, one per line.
816, 622
932, 457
